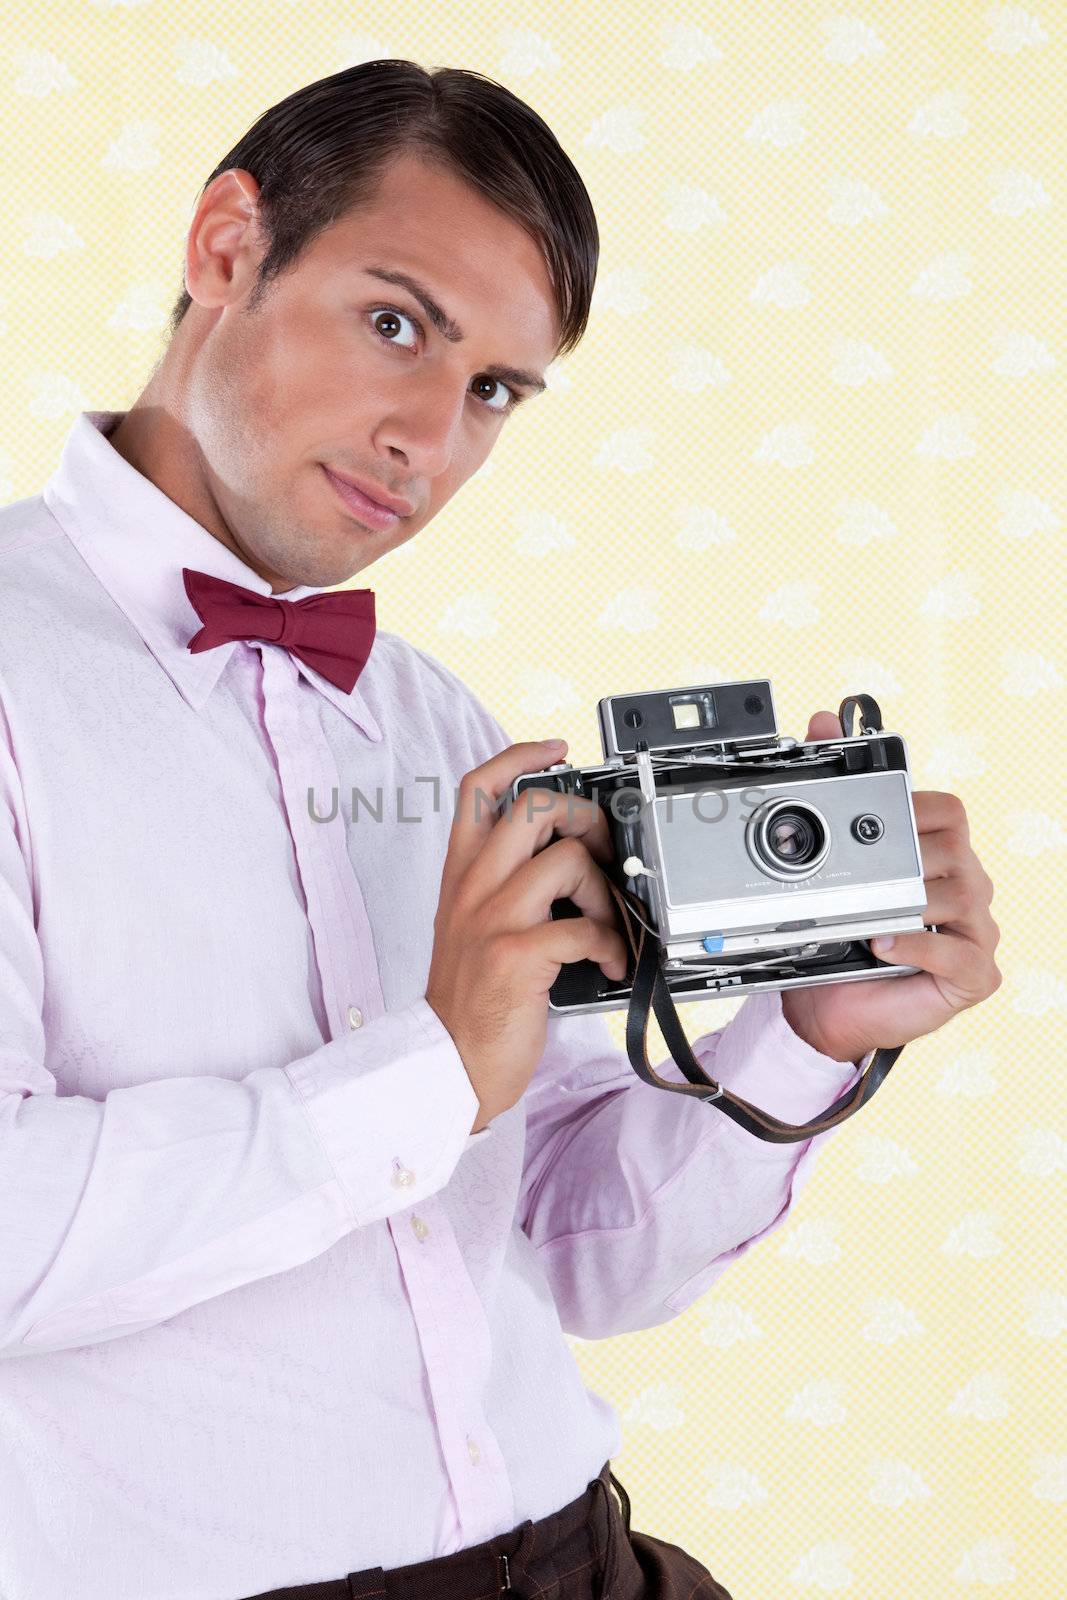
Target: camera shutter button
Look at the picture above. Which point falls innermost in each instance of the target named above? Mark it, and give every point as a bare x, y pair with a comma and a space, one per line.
868, 828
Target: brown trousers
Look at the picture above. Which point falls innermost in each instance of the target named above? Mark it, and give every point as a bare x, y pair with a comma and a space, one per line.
586, 1551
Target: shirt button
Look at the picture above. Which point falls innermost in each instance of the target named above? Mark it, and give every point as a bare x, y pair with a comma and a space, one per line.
419, 1227
473, 1451
355, 1017
402, 1177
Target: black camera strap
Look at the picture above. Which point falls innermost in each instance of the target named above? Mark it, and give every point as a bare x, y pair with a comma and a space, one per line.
650, 991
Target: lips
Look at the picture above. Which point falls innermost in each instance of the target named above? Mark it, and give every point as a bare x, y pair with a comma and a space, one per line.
374, 492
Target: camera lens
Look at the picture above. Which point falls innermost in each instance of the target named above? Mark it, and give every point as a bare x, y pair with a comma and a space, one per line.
791, 838
788, 838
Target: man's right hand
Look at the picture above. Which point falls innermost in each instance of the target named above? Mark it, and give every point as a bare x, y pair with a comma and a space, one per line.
497, 949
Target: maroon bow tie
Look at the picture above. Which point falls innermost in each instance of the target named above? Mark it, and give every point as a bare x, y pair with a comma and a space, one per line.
331, 632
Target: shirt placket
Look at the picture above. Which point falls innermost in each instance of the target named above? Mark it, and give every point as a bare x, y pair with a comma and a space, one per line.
456, 1346
340, 927
449, 1317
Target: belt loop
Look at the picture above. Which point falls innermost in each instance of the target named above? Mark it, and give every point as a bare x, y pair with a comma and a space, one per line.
624, 1499
520, 1554
609, 1555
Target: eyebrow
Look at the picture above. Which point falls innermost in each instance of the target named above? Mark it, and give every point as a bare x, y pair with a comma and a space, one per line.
450, 329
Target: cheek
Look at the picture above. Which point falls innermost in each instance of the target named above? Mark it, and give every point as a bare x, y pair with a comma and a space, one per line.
450, 483
285, 369
288, 419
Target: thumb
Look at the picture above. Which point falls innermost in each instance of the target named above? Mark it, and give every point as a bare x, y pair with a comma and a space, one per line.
824, 725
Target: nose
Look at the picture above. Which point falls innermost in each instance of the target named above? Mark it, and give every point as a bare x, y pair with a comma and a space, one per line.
423, 426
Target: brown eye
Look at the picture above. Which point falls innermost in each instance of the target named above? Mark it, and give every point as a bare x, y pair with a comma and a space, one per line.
389, 315
512, 397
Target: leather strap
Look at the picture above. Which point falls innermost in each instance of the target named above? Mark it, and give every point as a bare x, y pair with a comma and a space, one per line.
650, 989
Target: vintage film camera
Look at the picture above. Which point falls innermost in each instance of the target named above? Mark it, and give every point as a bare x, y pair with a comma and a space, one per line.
743, 860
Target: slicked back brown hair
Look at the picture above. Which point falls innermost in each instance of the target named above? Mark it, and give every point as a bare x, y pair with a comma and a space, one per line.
319, 153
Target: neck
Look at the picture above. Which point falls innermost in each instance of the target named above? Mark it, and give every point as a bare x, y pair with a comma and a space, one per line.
157, 441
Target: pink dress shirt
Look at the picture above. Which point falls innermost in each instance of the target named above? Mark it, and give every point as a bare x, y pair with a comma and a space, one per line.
269, 1313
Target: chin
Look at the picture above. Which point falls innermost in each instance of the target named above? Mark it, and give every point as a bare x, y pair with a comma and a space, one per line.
319, 579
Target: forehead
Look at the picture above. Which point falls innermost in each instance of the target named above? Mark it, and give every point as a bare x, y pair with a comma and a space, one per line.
430, 222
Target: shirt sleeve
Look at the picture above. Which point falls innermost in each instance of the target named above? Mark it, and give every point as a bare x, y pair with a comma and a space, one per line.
116, 1214
636, 1199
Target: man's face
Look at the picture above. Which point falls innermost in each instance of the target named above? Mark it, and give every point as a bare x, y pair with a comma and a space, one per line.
339, 368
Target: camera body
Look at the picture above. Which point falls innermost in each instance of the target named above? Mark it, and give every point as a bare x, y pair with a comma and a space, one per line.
756, 861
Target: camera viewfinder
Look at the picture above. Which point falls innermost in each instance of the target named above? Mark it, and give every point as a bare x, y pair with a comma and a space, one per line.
692, 711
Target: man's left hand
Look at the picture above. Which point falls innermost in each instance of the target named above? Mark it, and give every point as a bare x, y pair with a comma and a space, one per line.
846, 1020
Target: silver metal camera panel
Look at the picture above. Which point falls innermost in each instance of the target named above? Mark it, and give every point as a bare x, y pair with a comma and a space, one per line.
728, 910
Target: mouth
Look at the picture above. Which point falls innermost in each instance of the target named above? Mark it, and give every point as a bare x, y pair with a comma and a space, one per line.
371, 513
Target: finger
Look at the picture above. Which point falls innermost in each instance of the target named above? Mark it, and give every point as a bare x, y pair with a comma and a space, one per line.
480, 792
945, 854
935, 809
550, 944
526, 826
564, 868
953, 903
958, 960
959, 891
823, 725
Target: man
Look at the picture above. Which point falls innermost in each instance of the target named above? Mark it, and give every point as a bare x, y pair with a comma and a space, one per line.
300, 1184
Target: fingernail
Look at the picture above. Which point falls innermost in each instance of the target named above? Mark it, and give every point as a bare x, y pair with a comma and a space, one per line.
555, 744
883, 943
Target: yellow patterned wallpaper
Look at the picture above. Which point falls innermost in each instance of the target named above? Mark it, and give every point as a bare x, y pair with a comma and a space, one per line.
816, 433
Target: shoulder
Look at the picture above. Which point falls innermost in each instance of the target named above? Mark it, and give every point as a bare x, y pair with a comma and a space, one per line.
25, 526
42, 577
36, 566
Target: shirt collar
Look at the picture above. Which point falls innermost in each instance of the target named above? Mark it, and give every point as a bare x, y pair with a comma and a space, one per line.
136, 540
